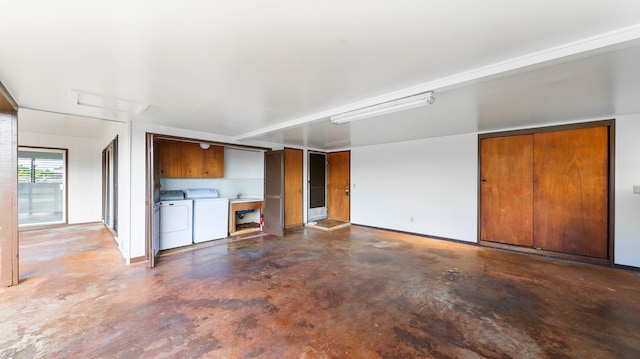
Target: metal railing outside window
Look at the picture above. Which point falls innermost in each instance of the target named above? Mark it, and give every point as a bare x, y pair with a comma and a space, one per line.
41, 186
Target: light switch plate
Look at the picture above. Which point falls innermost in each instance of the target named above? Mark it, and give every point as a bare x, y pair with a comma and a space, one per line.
636, 189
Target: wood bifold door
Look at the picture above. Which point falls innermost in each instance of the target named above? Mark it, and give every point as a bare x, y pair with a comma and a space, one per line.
338, 182
548, 190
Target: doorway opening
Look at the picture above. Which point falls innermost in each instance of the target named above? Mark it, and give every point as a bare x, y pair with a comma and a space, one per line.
41, 186
317, 186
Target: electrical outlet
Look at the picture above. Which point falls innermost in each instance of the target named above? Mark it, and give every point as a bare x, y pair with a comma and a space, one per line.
410, 219
636, 189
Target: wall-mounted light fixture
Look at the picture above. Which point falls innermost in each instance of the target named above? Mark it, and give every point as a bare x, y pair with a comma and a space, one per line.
403, 103
204, 146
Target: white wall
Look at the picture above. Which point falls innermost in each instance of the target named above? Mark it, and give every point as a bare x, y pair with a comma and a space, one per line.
84, 179
243, 163
627, 204
433, 181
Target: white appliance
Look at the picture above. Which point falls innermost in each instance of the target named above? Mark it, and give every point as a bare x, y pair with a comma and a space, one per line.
176, 220
210, 214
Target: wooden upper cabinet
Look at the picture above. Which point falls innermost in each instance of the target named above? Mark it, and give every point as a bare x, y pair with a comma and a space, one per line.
293, 188
213, 162
170, 159
189, 160
192, 160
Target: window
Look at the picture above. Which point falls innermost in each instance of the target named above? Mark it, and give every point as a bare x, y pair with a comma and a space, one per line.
41, 186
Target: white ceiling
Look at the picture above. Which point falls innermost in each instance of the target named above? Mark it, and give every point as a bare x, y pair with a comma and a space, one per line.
276, 70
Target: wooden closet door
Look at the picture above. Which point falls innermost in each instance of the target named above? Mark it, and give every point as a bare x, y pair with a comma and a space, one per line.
506, 191
571, 191
293, 184
339, 185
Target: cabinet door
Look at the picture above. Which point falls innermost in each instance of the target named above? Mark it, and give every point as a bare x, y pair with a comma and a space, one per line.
571, 191
213, 162
170, 159
192, 160
506, 190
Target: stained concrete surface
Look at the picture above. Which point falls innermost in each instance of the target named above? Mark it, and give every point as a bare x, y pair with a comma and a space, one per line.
351, 293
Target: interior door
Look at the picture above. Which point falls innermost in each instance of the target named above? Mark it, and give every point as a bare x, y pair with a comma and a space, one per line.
293, 183
338, 185
571, 191
317, 186
274, 193
506, 190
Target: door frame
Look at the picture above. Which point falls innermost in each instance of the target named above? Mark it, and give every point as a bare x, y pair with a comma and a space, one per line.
110, 186
611, 190
152, 247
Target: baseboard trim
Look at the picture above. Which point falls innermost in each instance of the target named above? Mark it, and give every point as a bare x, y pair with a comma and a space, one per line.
137, 259
418, 234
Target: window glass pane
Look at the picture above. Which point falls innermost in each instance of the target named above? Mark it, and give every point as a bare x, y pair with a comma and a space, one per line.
317, 176
40, 186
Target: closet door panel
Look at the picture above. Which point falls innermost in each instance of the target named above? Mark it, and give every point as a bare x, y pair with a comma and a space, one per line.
506, 190
571, 191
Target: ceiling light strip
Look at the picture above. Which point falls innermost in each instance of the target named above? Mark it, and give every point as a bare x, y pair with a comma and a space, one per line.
400, 104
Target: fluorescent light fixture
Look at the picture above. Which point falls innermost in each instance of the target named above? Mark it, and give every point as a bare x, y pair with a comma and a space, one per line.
110, 103
400, 104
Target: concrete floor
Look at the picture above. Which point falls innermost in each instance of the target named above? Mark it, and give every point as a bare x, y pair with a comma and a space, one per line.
351, 293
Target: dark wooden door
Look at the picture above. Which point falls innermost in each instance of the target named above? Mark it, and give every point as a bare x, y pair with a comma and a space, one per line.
293, 183
338, 185
506, 188
274, 193
571, 191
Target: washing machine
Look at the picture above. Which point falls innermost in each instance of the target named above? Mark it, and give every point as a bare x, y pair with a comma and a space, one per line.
176, 220
210, 214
